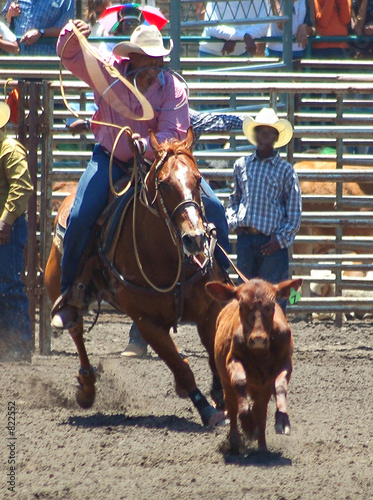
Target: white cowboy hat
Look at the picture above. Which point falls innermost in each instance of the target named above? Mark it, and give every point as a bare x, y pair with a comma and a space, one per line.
268, 117
4, 114
144, 40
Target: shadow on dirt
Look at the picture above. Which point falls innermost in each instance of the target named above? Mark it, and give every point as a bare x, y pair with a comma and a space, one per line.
258, 458
171, 422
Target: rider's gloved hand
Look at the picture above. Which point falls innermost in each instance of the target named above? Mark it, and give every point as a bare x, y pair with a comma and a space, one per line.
137, 144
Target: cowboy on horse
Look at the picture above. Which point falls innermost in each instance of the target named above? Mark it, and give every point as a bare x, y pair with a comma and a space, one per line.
141, 62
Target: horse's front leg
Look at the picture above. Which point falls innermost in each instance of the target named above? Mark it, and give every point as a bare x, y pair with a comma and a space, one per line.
159, 339
86, 392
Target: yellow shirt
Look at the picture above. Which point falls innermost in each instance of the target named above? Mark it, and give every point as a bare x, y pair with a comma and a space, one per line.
15, 181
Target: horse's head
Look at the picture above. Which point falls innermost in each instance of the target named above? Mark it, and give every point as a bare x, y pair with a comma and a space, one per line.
176, 187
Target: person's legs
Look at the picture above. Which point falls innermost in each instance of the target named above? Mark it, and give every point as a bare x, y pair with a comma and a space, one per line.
247, 249
215, 213
90, 200
137, 346
15, 326
275, 268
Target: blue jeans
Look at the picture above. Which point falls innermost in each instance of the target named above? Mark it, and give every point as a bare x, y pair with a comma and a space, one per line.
215, 213
330, 53
14, 315
91, 199
253, 264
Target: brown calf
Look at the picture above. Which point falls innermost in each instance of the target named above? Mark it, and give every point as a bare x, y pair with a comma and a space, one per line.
253, 355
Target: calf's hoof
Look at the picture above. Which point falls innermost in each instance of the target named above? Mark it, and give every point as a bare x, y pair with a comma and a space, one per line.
248, 425
234, 442
216, 393
282, 423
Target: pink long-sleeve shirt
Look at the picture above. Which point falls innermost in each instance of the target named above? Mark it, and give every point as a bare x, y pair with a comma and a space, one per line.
166, 94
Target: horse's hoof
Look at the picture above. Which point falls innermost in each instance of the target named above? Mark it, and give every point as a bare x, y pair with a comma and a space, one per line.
218, 419
85, 398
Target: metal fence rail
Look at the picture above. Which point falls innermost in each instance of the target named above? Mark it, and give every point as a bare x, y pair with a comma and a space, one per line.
56, 155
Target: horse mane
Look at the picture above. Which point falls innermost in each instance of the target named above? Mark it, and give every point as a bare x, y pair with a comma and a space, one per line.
176, 147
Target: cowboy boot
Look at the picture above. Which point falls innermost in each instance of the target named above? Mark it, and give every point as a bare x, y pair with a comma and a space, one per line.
63, 314
137, 346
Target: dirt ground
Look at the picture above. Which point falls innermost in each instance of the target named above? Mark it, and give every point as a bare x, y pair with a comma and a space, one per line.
140, 441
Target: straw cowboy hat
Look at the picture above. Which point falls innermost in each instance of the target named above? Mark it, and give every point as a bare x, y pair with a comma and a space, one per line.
268, 117
144, 40
4, 114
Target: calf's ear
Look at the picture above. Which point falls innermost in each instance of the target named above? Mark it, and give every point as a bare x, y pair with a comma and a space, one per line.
284, 288
220, 291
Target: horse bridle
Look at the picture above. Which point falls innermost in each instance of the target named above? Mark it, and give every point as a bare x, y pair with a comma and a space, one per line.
167, 216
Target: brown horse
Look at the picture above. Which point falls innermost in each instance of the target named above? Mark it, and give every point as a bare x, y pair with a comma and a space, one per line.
165, 244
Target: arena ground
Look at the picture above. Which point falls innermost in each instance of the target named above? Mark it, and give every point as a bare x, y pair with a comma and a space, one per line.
140, 441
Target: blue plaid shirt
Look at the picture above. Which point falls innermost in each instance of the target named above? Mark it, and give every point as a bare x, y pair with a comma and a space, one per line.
214, 122
267, 197
36, 14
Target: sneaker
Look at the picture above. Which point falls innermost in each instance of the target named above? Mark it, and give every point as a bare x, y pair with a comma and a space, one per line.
65, 318
134, 350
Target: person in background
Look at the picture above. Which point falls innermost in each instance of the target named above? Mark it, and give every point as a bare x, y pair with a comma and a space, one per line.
92, 13
332, 18
362, 25
236, 40
33, 22
129, 18
266, 205
302, 29
15, 190
8, 40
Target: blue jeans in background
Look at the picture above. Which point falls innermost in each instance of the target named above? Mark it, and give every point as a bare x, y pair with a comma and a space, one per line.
253, 264
14, 315
91, 199
215, 213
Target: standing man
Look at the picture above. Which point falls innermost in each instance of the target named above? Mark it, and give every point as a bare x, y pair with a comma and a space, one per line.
266, 205
15, 190
34, 21
141, 61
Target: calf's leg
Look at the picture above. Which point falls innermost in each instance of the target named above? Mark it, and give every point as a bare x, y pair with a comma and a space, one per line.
260, 416
282, 422
231, 405
238, 382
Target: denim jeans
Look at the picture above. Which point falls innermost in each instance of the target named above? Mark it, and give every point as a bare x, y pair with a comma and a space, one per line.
215, 213
253, 264
90, 200
14, 315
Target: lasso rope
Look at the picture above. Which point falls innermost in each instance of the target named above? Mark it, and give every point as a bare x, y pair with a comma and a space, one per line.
137, 256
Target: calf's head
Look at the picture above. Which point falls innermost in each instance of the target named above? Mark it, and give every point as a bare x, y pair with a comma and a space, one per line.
256, 301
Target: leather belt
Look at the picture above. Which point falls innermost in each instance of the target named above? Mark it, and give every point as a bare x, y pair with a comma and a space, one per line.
124, 165
248, 230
